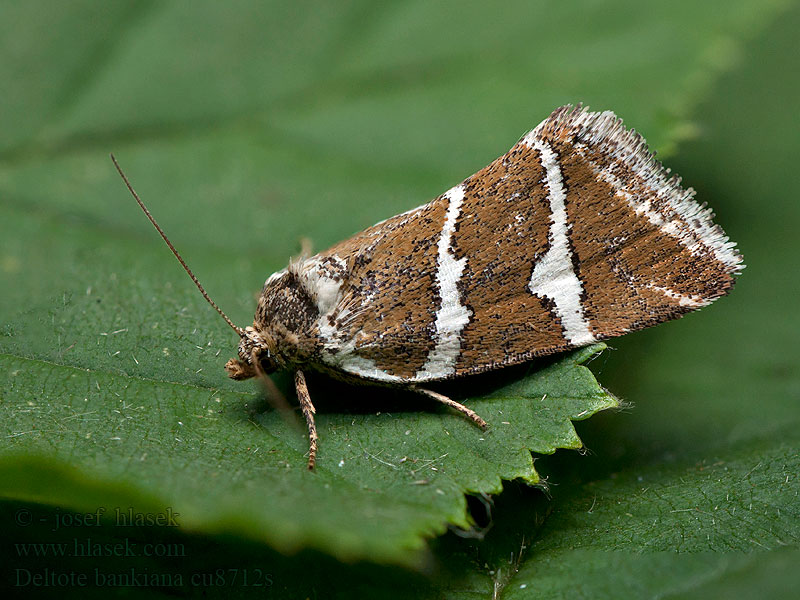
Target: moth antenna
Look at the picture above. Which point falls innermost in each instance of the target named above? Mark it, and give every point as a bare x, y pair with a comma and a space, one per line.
239, 331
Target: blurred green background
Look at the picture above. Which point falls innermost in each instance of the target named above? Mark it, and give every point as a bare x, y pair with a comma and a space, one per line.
247, 125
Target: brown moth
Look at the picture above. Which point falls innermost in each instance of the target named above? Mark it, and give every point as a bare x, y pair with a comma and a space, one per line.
575, 235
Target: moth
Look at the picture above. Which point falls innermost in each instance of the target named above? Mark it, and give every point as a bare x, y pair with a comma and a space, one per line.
576, 234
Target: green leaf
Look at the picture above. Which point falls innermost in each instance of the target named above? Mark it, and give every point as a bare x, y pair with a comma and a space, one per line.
655, 529
108, 439
248, 126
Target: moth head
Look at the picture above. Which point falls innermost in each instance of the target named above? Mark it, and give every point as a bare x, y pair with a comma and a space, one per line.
252, 347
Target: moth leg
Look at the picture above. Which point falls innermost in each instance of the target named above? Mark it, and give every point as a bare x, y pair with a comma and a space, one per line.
274, 396
308, 412
470, 414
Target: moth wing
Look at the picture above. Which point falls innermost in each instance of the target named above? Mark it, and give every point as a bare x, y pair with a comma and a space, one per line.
576, 234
